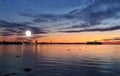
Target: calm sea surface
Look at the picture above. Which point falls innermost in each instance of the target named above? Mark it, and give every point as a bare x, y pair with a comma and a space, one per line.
60, 60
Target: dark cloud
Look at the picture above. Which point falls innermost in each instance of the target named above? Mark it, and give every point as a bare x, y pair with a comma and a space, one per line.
92, 15
33, 37
6, 34
20, 38
37, 36
95, 13
94, 29
13, 28
112, 39
84, 25
47, 17
37, 30
40, 18
98, 11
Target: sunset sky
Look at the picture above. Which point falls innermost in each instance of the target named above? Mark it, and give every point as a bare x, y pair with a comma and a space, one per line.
60, 20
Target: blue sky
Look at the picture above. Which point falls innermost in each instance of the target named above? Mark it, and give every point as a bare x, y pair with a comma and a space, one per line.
58, 16
10, 9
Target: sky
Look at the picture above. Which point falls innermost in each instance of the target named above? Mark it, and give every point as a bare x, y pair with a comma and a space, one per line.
60, 20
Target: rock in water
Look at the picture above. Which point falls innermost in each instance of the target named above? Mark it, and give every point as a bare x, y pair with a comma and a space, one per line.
27, 69
17, 56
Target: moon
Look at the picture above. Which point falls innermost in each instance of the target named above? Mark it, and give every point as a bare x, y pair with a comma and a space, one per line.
28, 33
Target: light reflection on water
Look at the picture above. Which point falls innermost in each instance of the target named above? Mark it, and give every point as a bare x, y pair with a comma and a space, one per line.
60, 60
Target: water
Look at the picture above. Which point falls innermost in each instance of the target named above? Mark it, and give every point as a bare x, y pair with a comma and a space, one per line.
60, 60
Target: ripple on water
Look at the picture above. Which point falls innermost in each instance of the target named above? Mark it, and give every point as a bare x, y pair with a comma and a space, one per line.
70, 63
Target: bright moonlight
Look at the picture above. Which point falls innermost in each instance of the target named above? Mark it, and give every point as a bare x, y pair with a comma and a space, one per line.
28, 33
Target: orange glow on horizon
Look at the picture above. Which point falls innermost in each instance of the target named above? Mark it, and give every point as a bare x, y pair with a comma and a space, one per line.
68, 37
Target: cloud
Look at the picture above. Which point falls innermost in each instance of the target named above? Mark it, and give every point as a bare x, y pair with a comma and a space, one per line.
57, 20
112, 39
94, 29
18, 29
87, 19
6, 34
97, 12
40, 17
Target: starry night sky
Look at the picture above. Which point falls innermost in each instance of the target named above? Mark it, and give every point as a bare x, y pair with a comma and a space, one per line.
69, 20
